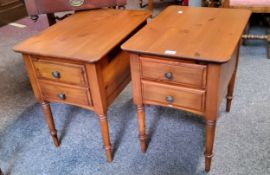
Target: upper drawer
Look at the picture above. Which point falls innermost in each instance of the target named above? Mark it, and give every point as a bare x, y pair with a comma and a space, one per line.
61, 72
188, 74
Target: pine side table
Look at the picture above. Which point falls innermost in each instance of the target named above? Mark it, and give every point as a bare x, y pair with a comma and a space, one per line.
78, 61
187, 59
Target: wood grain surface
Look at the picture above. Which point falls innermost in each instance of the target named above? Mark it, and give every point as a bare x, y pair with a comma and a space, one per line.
207, 34
85, 36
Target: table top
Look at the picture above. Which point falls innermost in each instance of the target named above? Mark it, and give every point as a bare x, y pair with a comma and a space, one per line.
207, 34
85, 36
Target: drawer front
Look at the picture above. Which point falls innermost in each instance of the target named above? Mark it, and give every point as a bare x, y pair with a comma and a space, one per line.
65, 94
187, 74
173, 96
61, 72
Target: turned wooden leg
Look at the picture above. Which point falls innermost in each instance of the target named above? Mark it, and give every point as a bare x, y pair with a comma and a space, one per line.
49, 118
105, 136
141, 123
209, 143
230, 93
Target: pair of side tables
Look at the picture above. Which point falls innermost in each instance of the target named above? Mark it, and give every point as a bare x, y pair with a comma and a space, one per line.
186, 58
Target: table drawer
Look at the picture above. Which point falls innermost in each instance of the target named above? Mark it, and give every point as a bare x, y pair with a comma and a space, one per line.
65, 94
188, 74
61, 72
173, 96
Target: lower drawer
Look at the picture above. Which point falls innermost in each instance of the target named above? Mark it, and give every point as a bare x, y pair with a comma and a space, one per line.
65, 94
173, 96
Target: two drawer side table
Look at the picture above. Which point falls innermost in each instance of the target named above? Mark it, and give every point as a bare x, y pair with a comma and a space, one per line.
78, 61
187, 59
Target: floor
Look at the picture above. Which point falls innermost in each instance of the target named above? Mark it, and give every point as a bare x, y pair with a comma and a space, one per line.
176, 145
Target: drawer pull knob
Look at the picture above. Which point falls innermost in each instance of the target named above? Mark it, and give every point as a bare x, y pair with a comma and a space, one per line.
169, 99
168, 75
61, 96
56, 74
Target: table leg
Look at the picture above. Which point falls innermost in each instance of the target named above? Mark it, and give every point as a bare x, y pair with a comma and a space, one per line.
49, 118
104, 127
51, 19
230, 93
232, 82
209, 142
1, 173
141, 123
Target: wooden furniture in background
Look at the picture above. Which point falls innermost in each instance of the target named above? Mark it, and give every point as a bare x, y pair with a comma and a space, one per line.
150, 3
256, 7
84, 65
211, 3
187, 59
49, 7
11, 10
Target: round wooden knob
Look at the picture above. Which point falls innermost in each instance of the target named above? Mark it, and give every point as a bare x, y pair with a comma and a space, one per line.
169, 99
168, 75
61, 96
56, 74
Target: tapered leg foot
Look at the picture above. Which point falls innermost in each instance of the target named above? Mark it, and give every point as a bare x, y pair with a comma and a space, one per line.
229, 103
208, 160
49, 118
210, 136
141, 123
143, 143
105, 136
